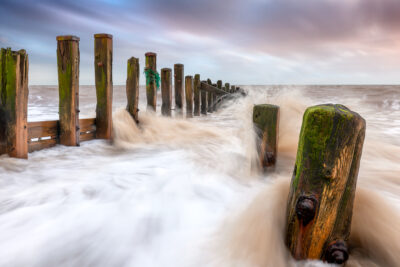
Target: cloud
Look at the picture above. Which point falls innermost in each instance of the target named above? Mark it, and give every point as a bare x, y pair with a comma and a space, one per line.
322, 34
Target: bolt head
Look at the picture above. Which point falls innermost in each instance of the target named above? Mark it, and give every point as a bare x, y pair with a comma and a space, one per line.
306, 208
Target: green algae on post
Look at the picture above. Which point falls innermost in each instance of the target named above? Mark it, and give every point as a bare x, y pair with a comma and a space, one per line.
132, 87
151, 84
320, 201
68, 88
14, 102
103, 51
266, 120
166, 91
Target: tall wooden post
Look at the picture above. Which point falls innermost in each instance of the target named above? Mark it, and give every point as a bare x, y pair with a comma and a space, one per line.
178, 83
151, 80
323, 184
204, 101
210, 98
189, 96
13, 103
233, 89
68, 86
103, 52
166, 91
196, 87
132, 87
266, 120
219, 84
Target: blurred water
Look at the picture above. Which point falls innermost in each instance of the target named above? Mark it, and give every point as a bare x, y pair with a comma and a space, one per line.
177, 192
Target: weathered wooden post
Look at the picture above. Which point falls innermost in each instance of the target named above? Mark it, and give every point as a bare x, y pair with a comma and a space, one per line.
166, 91
189, 96
68, 87
13, 103
152, 80
324, 180
266, 120
219, 85
132, 88
210, 99
178, 83
204, 102
196, 87
103, 52
233, 89
227, 87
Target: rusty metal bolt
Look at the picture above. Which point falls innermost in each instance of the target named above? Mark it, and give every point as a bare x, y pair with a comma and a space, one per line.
305, 208
337, 252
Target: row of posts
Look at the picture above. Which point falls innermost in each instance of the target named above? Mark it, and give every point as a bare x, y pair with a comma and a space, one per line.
14, 92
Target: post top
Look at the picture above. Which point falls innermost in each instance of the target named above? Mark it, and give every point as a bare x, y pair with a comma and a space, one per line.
103, 35
178, 65
150, 54
67, 38
166, 69
189, 77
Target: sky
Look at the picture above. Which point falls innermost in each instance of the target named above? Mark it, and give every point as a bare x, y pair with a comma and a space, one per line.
237, 41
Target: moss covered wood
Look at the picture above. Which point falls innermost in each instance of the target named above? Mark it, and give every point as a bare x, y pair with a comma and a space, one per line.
132, 88
210, 99
103, 57
151, 85
227, 87
68, 88
13, 103
189, 96
204, 101
178, 83
266, 120
166, 91
196, 88
320, 202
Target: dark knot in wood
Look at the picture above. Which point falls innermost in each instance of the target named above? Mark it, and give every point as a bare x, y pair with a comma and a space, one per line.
306, 208
337, 252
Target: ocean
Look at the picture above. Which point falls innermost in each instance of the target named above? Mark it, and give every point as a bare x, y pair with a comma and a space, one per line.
188, 192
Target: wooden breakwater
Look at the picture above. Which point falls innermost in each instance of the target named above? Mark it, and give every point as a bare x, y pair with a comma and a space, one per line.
320, 202
18, 137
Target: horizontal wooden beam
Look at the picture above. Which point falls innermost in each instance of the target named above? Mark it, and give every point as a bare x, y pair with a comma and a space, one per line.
45, 134
204, 86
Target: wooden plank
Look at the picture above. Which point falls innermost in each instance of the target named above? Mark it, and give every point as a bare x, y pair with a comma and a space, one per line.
87, 125
87, 136
178, 82
197, 98
42, 129
212, 89
41, 144
189, 96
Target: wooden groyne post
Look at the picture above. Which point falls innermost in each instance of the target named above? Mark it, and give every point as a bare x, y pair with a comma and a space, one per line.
152, 78
132, 87
197, 98
178, 83
166, 91
320, 202
210, 99
189, 96
103, 54
227, 87
68, 86
204, 102
13, 103
266, 120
